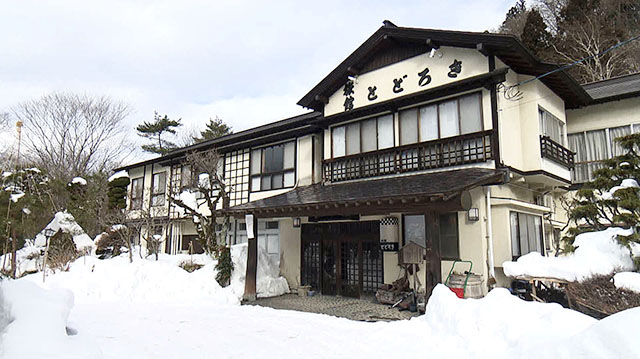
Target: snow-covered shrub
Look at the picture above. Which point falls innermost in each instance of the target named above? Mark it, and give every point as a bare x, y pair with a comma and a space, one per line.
109, 244
599, 297
62, 251
189, 265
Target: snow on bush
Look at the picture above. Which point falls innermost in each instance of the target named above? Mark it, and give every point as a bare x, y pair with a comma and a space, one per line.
64, 221
37, 321
269, 283
627, 280
626, 183
117, 175
79, 180
596, 253
28, 260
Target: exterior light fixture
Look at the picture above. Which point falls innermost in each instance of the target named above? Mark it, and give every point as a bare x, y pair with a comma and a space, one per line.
433, 52
296, 222
48, 233
473, 214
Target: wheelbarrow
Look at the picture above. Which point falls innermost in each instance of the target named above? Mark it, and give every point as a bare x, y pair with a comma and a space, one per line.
459, 291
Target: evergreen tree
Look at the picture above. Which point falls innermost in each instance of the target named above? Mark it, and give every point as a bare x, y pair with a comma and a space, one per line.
607, 201
534, 34
224, 266
161, 126
215, 128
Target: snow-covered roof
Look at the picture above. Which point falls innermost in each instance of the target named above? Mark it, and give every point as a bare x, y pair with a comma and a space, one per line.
65, 222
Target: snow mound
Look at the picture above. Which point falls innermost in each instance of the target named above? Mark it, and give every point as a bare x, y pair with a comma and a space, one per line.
596, 253
501, 319
143, 281
28, 260
627, 280
269, 283
64, 221
39, 316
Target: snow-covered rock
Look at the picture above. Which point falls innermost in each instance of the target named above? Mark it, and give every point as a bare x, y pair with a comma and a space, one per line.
64, 221
627, 280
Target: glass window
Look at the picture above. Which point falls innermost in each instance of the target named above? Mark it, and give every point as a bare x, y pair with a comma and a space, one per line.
409, 126
338, 141
448, 113
616, 132
273, 167
470, 114
353, 138
159, 188
136, 193
369, 135
385, 132
428, 123
526, 234
551, 126
449, 246
414, 229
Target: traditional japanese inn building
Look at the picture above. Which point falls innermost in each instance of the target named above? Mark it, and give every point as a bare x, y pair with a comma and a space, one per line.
445, 139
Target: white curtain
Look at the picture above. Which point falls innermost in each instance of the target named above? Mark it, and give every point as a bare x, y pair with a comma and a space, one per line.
338, 141
409, 126
428, 123
449, 125
470, 114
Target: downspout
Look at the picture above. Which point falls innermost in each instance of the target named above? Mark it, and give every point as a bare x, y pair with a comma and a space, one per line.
492, 272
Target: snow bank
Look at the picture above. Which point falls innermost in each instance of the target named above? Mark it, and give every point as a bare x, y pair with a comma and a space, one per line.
63, 221
498, 323
269, 283
627, 280
143, 281
117, 175
28, 260
596, 253
37, 323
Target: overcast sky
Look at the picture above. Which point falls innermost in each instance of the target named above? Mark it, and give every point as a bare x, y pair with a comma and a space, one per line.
247, 62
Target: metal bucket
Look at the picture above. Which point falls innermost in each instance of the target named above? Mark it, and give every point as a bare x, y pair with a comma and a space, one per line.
474, 284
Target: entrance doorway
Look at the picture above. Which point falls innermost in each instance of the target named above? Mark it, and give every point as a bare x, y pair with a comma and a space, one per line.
342, 258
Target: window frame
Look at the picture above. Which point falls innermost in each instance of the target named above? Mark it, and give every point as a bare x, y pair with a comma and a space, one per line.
284, 170
154, 194
542, 123
395, 116
134, 204
541, 244
442, 257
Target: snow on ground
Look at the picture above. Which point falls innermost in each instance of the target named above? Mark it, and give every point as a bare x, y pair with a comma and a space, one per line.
497, 326
627, 280
596, 253
64, 221
269, 283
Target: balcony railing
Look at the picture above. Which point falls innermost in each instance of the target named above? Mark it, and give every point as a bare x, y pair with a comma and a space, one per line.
470, 148
556, 152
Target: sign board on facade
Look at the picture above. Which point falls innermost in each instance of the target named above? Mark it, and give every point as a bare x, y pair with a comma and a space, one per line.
389, 246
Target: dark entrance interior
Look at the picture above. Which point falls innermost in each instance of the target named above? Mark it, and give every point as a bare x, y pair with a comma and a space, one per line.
342, 258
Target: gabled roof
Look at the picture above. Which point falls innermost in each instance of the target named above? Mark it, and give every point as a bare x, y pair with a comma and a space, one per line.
616, 88
288, 128
413, 41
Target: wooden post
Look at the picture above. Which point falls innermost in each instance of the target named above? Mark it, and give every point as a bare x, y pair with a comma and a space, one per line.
252, 264
433, 270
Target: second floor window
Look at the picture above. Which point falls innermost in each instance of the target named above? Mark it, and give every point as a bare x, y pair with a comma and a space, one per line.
158, 189
136, 192
273, 167
551, 126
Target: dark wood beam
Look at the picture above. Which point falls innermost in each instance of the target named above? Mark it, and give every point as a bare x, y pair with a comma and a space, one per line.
483, 49
252, 265
434, 270
432, 44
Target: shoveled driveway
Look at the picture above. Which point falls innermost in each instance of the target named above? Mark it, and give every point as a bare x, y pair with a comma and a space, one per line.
366, 309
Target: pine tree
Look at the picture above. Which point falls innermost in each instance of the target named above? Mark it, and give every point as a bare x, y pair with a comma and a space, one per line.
534, 34
224, 266
117, 193
596, 207
155, 131
215, 128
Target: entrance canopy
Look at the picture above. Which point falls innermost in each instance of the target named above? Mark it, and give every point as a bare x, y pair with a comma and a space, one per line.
437, 191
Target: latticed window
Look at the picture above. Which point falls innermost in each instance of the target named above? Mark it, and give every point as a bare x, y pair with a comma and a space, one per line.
137, 192
158, 189
273, 167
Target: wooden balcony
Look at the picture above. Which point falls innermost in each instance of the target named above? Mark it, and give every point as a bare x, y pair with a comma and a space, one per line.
470, 148
556, 152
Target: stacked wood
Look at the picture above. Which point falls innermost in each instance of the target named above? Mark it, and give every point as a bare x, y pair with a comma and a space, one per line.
599, 297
